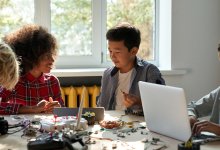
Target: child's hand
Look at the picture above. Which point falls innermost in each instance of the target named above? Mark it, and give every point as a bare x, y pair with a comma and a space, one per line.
40, 107
192, 120
200, 126
51, 105
130, 100
46, 106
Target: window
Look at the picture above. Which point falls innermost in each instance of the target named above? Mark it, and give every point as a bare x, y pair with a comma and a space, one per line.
13, 15
71, 21
80, 26
140, 13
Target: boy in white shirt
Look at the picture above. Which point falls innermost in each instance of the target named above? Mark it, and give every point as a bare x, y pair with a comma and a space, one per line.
120, 89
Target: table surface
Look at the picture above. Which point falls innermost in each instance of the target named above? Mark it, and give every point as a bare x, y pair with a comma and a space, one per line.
131, 141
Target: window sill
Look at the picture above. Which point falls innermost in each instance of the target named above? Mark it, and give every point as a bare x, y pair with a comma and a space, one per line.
91, 72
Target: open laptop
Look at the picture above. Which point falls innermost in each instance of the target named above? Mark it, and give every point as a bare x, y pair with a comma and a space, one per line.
165, 110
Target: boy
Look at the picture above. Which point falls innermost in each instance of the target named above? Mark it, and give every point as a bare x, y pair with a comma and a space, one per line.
37, 91
208, 105
120, 83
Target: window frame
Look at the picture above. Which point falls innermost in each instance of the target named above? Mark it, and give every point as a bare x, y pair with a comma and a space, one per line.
98, 58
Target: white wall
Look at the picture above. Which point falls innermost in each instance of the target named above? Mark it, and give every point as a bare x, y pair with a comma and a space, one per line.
195, 37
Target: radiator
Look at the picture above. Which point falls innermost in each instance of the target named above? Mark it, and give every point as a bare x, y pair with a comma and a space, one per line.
72, 96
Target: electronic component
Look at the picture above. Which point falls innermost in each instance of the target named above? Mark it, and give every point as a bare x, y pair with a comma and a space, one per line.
188, 146
57, 140
51, 124
3, 126
137, 112
29, 131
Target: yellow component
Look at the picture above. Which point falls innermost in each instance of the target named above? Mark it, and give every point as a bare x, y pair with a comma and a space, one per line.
72, 96
79, 91
188, 144
94, 91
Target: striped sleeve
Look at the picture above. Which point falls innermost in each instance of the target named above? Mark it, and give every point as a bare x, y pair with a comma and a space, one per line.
9, 108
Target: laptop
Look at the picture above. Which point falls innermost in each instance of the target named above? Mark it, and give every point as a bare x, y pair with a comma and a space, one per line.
165, 110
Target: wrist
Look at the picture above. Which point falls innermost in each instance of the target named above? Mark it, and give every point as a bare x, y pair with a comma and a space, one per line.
193, 117
27, 109
33, 109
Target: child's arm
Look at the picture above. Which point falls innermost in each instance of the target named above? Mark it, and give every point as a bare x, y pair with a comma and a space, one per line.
42, 107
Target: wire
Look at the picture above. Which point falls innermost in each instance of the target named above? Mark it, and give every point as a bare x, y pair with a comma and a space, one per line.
23, 125
15, 131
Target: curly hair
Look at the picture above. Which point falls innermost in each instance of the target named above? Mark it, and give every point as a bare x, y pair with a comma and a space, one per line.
30, 43
125, 32
9, 67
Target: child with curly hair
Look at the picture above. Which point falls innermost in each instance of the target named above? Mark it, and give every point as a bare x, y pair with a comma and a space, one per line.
37, 90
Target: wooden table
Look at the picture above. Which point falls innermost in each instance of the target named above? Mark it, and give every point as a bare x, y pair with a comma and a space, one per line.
131, 141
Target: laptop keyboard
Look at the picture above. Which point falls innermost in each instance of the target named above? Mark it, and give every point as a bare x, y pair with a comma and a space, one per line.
203, 138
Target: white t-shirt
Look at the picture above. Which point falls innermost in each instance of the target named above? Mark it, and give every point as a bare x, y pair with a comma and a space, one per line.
123, 85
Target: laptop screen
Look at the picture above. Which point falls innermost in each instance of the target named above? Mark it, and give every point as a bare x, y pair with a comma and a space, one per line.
165, 110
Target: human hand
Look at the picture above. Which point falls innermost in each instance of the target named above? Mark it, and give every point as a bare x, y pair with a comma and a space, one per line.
46, 106
206, 126
40, 107
192, 120
130, 100
51, 105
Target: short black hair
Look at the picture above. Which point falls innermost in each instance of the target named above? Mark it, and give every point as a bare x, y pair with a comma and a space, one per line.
125, 32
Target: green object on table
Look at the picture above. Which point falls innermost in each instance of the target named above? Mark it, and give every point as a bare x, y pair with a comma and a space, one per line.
90, 117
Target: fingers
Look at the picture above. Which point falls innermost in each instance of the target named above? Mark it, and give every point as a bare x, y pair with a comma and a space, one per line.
206, 126
192, 120
126, 100
51, 107
45, 106
52, 104
128, 103
129, 99
42, 103
50, 99
198, 127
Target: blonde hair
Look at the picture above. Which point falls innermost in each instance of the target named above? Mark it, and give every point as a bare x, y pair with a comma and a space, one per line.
9, 67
